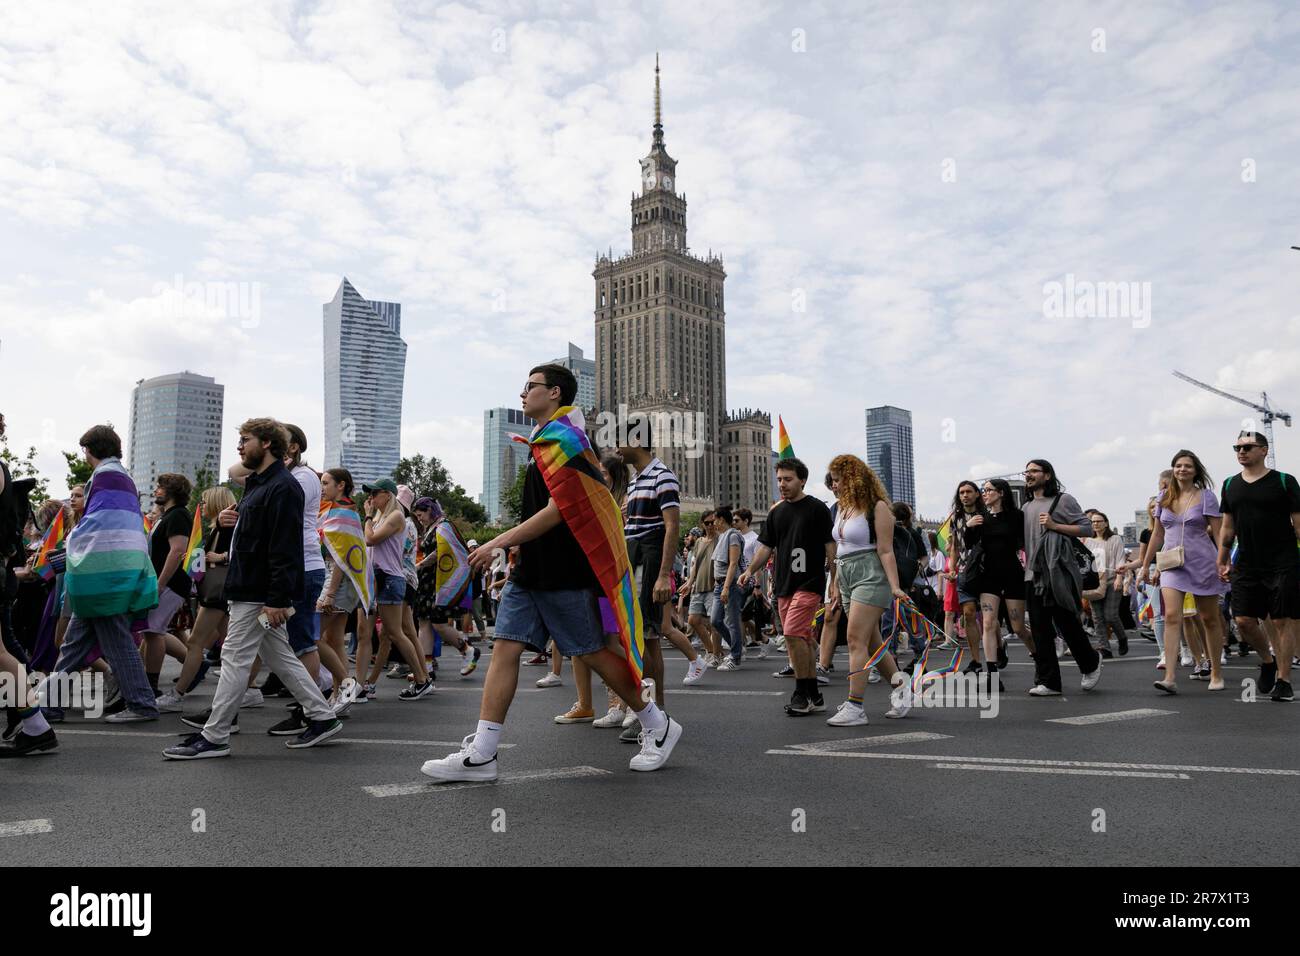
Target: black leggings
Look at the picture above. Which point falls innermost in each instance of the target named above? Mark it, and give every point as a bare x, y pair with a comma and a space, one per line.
1046, 623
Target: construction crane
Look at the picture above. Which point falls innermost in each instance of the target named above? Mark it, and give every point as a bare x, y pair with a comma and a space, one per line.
1264, 408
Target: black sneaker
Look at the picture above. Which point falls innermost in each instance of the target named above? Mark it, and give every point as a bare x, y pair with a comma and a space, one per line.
1106, 653
196, 747
799, 705
12, 724
318, 731
1267, 677
200, 720
272, 686
1002, 654
786, 671
291, 726
632, 734
1282, 691
25, 743
974, 667
818, 704
416, 691
1123, 644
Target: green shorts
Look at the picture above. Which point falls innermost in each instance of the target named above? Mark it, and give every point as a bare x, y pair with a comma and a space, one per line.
861, 578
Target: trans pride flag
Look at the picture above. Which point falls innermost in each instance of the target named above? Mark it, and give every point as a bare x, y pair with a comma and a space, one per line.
572, 474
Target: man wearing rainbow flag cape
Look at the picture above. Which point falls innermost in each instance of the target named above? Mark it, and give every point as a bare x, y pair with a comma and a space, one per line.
571, 554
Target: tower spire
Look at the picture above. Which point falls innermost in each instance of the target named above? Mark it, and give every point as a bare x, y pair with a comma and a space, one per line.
659, 125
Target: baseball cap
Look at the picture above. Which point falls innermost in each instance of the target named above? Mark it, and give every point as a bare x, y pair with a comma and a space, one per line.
471, 543
380, 484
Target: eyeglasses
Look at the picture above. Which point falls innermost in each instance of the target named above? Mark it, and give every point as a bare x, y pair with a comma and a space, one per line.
529, 386
1033, 471
242, 439
1240, 448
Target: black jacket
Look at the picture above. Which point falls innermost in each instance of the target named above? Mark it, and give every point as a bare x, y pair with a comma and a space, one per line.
266, 562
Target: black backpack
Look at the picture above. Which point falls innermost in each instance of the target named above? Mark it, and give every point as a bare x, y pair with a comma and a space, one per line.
906, 556
15, 509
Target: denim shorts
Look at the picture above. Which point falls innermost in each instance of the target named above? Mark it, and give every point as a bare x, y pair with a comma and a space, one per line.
304, 626
389, 588
700, 603
570, 618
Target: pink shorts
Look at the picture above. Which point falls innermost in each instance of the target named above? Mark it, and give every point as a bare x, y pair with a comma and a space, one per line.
797, 612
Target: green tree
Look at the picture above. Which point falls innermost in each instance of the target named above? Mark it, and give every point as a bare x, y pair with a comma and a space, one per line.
513, 501
204, 478
79, 470
428, 477
690, 519
25, 467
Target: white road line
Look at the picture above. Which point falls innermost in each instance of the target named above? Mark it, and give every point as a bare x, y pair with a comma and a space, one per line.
1173, 768
25, 828
409, 743
884, 740
61, 731
523, 776
1066, 770
726, 693
1111, 717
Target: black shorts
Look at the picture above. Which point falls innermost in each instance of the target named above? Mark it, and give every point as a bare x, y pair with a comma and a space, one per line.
1007, 583
1261, 594
646, 554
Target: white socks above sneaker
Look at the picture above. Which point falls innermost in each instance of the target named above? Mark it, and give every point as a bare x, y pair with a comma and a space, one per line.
487, 737
652, 718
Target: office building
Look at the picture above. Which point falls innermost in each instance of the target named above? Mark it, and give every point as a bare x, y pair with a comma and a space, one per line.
175, 428
889, 451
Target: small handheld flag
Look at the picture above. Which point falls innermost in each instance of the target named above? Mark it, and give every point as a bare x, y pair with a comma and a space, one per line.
53, 538
944, 533
194, 563
783, 447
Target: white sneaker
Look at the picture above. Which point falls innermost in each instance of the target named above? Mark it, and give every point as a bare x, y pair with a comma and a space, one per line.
694, 671
758, 653
901, 698
1089, 681
127, 716
1042, 690
655, 749
873, 676
169, 703
252, 698
465, 764
778, 643
729, 665
1185, 658
823, 675
848, 715
550, 680
710, 660
629, 719
613, 719
347, 692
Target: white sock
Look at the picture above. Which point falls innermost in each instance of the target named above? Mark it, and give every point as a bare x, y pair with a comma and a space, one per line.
486, 738
652, 718
35, 724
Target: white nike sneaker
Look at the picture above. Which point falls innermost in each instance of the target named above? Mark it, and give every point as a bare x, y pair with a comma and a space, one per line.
629, 719
465, 764
694, 671
656, 748
612, 719
848, 715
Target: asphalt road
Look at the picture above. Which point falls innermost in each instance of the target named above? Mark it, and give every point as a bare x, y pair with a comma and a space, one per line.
1211, 780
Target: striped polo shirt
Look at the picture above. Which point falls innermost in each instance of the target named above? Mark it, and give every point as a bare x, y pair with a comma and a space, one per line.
653, 489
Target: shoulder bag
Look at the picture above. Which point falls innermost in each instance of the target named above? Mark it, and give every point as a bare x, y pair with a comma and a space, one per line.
1083, 555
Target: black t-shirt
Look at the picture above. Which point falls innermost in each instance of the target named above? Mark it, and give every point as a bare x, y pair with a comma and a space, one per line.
1003, 536
555, 561
1145, 536
797, 532
1261, 516
176, 521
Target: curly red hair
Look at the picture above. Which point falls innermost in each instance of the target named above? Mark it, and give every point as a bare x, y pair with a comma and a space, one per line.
860, 487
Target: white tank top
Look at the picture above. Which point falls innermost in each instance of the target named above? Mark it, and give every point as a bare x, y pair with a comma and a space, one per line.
853, 535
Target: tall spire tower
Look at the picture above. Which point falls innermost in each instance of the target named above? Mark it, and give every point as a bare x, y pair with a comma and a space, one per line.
658, 214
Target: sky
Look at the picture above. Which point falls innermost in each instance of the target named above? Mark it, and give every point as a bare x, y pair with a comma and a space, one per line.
902, 193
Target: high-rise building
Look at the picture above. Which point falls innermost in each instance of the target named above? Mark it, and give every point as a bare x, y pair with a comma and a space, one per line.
175, 427
889, 451
502, 457
365, 369
584, 370
746, 478
661, 335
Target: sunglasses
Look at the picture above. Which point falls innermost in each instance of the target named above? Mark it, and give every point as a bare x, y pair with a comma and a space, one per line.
1240, 448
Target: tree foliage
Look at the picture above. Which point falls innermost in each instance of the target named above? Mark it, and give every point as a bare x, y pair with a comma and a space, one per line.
25, 467
428, 477
513, 501
79, 470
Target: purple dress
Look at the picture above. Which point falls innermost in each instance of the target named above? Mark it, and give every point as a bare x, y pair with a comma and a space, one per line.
1199, 574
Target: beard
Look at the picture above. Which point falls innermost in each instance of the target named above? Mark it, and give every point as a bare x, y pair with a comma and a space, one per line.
253, 462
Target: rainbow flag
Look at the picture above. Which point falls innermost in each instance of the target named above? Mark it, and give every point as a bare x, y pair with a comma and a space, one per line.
452, 568
195, 560
148, 523
53, 538
572, 474
783, 447
944, 534
345, 540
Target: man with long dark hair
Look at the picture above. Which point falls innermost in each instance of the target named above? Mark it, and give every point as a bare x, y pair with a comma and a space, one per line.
1053, 578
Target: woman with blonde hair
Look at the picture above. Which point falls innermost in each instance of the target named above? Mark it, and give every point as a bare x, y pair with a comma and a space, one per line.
864, 582
213, 614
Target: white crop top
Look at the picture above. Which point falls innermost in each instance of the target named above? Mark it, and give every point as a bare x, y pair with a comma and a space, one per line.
853, 535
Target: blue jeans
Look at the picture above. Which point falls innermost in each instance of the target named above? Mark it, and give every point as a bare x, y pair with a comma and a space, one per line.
730, 627
304, 626
915, 642
570, 618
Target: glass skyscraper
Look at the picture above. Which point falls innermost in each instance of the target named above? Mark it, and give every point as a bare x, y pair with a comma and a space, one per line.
175, 427
365, 369
584, 370
502, 457
889, 451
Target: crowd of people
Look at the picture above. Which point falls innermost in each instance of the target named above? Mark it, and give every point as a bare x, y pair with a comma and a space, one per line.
287, 573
